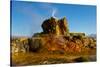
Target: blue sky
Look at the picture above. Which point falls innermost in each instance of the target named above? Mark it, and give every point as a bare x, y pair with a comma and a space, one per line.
27, 17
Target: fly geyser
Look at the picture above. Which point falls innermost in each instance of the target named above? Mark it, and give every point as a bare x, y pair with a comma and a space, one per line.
55, 36
55, 44
54, 26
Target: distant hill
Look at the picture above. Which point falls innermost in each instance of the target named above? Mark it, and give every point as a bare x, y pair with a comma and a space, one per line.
93, 36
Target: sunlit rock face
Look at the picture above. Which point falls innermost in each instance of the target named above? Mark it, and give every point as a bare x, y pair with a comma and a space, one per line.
55, 26
63, 25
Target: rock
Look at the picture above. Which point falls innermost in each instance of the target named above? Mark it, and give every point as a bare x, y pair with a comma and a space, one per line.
49, 25
63, 26
54, 26
35, 44
20, 45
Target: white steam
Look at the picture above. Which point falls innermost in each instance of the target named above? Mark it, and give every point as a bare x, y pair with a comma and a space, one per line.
53, 12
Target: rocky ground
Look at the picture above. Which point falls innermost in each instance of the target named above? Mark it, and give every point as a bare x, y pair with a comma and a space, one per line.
52, 50
20, 59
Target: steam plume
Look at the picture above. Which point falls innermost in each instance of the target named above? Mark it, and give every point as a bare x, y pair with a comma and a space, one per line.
53, 12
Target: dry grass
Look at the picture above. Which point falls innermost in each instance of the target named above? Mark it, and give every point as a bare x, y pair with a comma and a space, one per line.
51, 58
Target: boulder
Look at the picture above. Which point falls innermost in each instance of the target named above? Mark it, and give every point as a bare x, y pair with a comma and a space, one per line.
35, 44
20, 45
